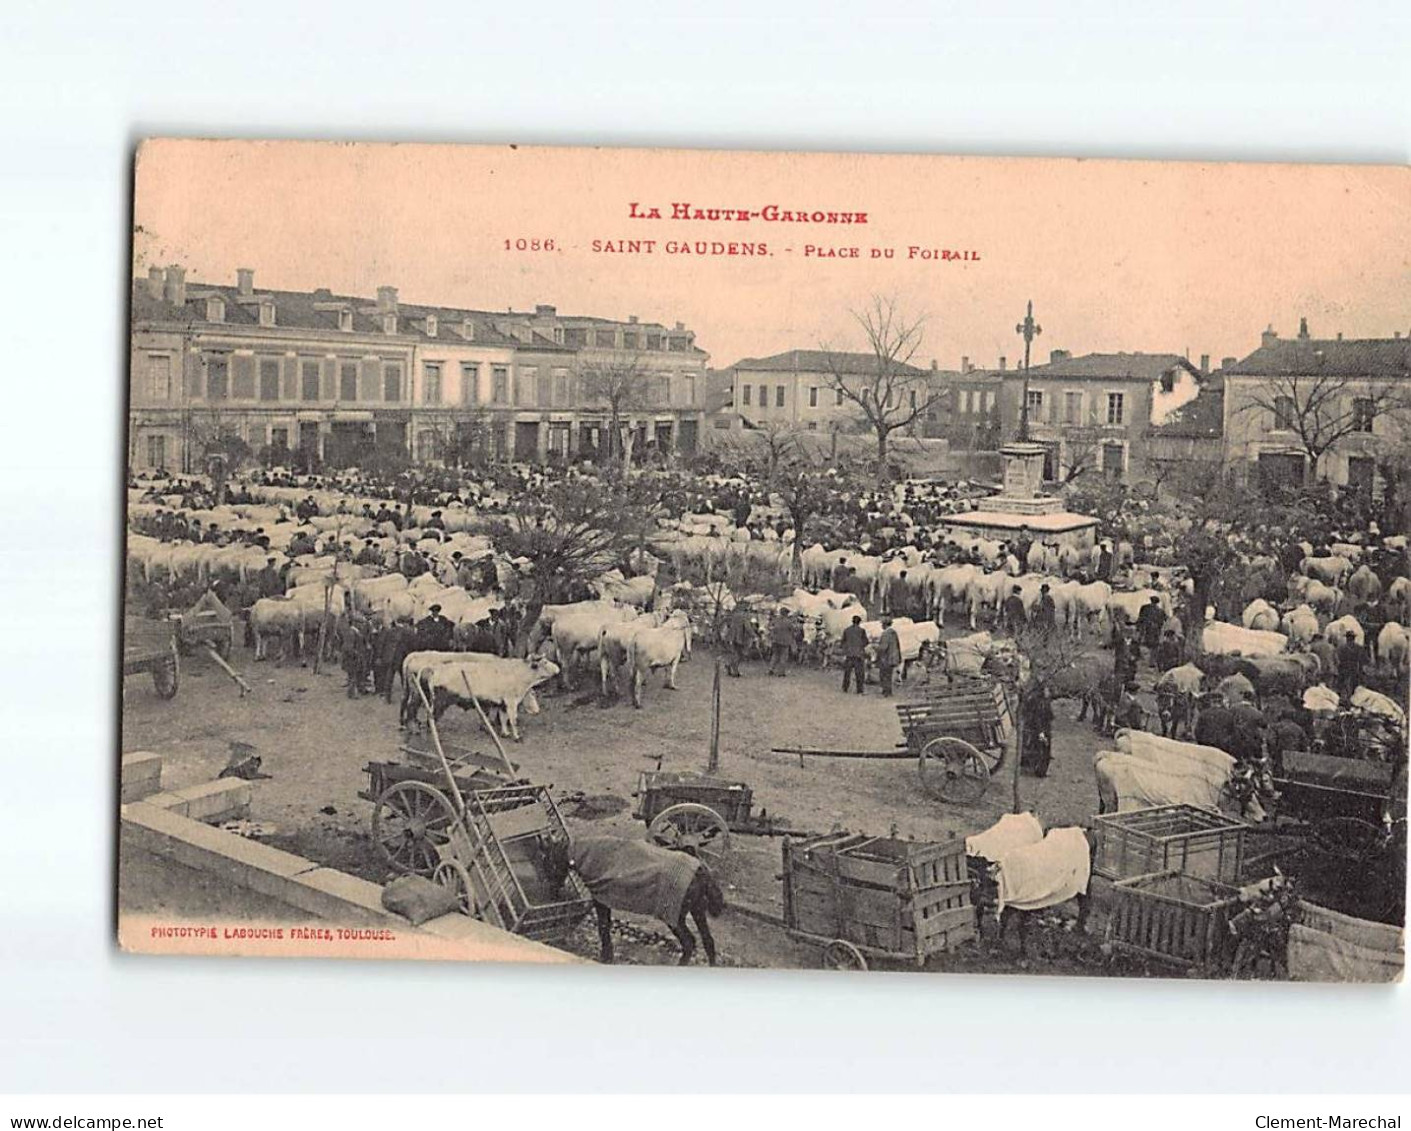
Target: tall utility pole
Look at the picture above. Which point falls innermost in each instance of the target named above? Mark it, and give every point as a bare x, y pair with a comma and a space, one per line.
1029, 330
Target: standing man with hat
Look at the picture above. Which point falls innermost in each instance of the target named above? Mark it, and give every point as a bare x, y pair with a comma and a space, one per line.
434, 632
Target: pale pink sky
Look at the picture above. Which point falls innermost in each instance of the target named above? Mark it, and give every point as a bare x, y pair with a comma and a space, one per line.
1159, 257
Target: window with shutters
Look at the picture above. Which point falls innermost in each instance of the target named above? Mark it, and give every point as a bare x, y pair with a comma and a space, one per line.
308, 380
653, 341
1035, 402
392, 381
1284, 414
348, 381
289, 380
778, 396
244, 377
431, 382
764, 396
631, 340
745, 391
159, 376
1072, 408
500, 385
543, 389
217, 379
605, 339
1112, 457
470, 382
813, 396
1115, 403
370, 380
156, 451
989, 399
664, 391
1364, 412
269, 378
563, 395
573, 336
689, 389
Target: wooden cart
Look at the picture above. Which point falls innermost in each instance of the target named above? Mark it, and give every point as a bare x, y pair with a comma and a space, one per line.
207, 624
958, 732
150, 646
413, 811
1343, 802
696, 813
863, 897
491, 860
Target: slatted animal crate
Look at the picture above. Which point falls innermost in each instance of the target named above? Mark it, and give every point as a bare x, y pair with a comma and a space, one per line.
889, 898
1166, 838
494, 861
1177, 919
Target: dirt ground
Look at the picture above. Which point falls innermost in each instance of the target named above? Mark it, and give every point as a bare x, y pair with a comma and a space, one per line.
315, 743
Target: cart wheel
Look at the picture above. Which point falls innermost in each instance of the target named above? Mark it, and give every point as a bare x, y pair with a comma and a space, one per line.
842, 955
1347, 838
409, 823
953, 770
166, 676
452, 874
697, 829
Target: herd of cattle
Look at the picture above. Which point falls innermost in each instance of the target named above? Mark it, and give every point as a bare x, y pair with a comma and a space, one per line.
635, 625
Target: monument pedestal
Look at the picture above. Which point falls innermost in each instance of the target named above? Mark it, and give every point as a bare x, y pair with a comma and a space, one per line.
1019, 505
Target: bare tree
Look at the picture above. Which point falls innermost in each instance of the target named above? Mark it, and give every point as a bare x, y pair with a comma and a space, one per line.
890, 392
620, 382
219, 448
1322, 409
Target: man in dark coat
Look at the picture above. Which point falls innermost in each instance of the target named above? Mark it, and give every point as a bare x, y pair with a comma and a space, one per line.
357, 655
389, 649
1350, 658
1168, 652
781, 640
1104, 561
434, 632
840, 575
1149, 622
888, 656
1022, 545
1013, 611
1045, 616
1038, 731
739, 635
854, 644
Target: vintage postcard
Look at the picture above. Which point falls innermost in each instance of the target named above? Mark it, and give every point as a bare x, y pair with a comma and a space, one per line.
767, 560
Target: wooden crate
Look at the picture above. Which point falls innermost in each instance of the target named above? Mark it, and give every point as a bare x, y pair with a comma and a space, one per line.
894, 898
1174, 918
1166, 838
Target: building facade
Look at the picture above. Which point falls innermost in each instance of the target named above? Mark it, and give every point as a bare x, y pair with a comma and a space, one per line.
1094, 414
1352, 395
336, 377
798, 389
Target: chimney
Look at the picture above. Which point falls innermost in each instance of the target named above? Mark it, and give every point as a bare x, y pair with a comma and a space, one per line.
1056, 355
965, 364
175, 291
1339, 335
680, 325
934, 366
1003, 364
1303, 329
632, 319
1204, 363
1269, 337
387, 300
155, 279
245, 277
1227, 362
1396, 334
544, 311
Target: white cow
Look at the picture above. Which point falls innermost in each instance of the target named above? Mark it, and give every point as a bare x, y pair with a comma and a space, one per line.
1261, 615
654, 648
490, 680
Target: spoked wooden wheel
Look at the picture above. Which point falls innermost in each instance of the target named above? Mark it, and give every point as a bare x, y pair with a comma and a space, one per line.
842, 955
697, 829
953, 770
452, 874
409, 823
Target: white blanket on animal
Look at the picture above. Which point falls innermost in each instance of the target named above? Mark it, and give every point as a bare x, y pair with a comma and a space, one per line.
1142, 785
1320, 698
1045, 874
1325, 946
1013, 830
1366, 699
1225, 639
1206, 763
966, 655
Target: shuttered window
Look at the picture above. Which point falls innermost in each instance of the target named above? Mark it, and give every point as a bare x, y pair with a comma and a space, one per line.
243, 367
269, 379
